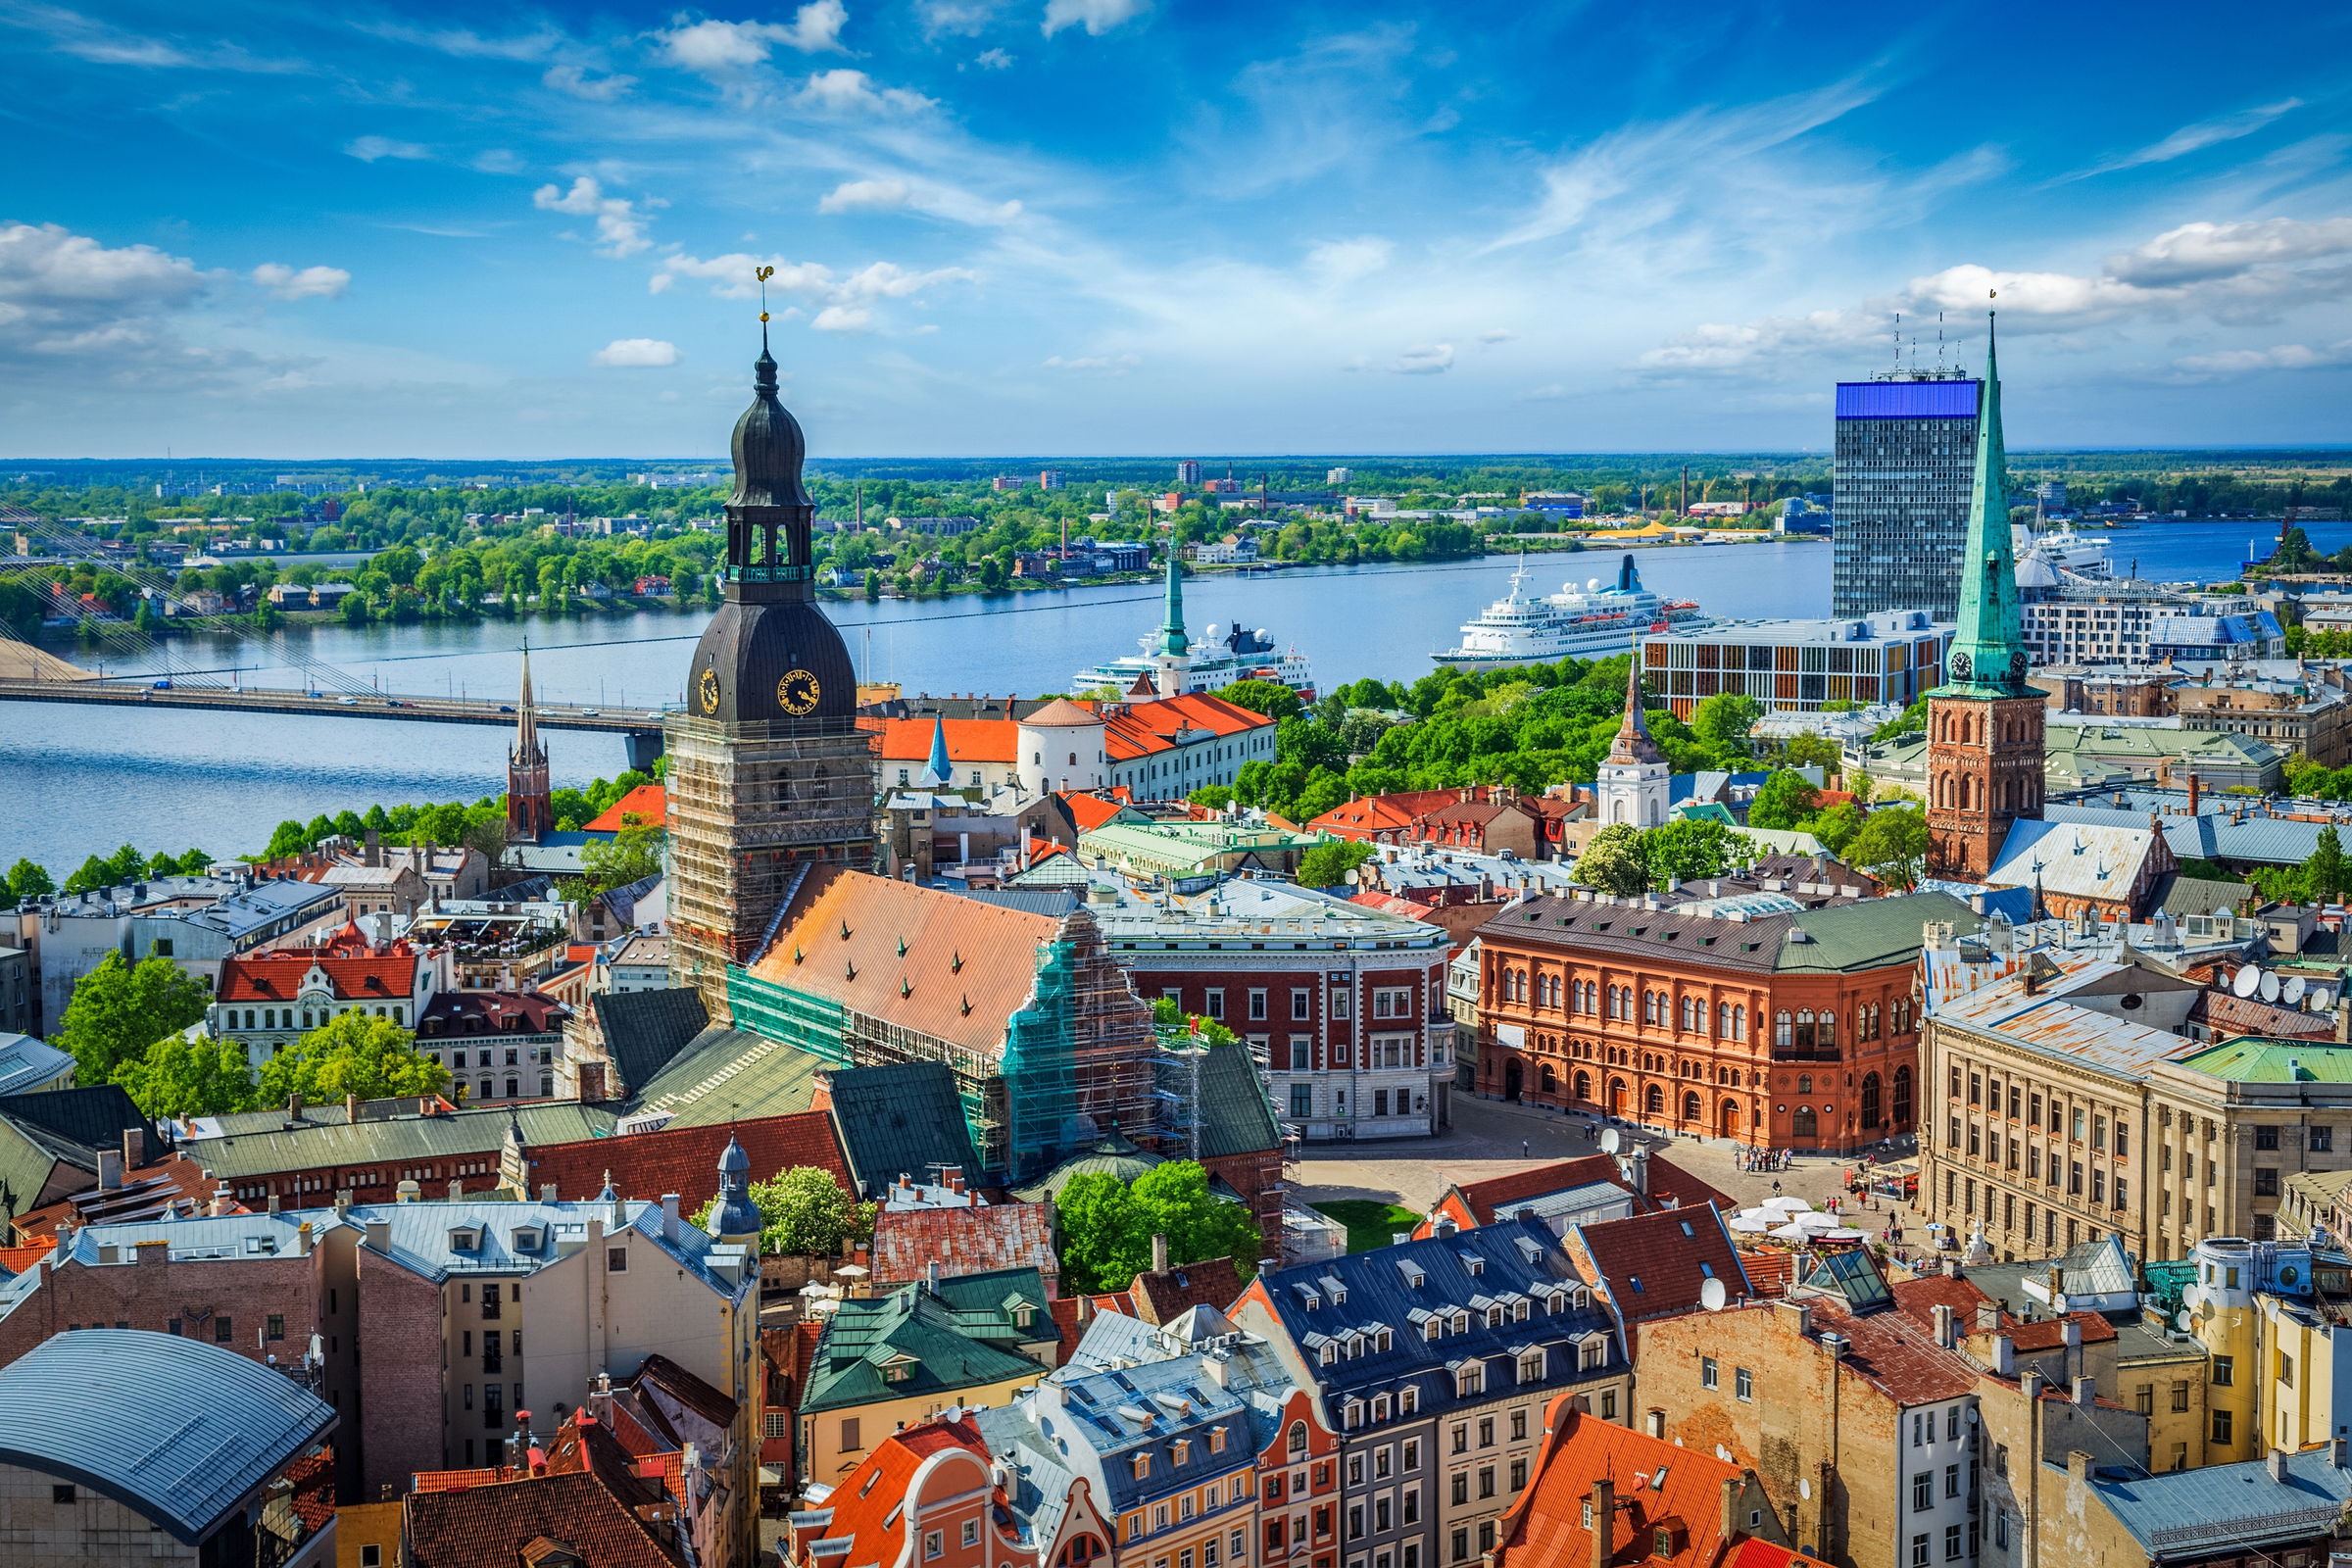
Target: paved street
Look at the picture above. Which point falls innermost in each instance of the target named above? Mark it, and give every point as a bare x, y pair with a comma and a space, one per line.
1485, 1140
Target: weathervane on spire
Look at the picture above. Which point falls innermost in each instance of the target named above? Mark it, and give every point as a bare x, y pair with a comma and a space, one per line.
764, 274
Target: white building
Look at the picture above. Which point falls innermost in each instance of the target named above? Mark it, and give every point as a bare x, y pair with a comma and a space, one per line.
1062, 748
1633, 785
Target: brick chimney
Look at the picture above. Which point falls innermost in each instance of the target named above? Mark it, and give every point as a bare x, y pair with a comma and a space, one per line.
2192, 794
1159, 1254
1727, 1522
134, 1149
1604, 1522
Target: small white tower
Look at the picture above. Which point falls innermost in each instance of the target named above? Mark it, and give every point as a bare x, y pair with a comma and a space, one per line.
1633, 783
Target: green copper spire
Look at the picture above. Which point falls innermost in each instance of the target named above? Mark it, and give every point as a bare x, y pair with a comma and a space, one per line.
1172, 639
1989, 654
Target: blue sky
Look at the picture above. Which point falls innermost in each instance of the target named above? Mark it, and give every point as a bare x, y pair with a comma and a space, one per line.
1082, 226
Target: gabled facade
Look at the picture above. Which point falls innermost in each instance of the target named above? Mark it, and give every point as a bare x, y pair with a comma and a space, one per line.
925, 1495
267, 1001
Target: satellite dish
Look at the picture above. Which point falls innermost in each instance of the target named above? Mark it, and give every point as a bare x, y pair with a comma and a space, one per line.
1610, 1143
2188, 1297
1804, 1487
2321, 999
2292, 992
2184, 1320
2270, 986
2248, 979
1711, 1296
1723, 1454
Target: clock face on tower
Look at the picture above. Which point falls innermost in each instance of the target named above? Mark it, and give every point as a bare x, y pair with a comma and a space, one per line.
707, 691
797, 692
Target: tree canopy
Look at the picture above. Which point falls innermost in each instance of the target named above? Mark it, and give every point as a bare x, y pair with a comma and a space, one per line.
804, 1210
119, 1009
355, 1054
1108, 1225
179, 1077
1327, 863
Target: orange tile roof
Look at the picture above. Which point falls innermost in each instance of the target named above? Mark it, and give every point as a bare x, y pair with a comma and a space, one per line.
1769, 1273
995, 740
1668, 1183
2046, 1333
869, 1506
685, 1160
967, 964
963, 1240
1141, 728
1090, 811
278, 977
649, 803
460, 1479
17, 1259
1658, 1487
1757, 1552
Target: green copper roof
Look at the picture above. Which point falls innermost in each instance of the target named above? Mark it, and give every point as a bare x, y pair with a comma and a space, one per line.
2256, 1060
915, 1330
1172, 639
1988, 654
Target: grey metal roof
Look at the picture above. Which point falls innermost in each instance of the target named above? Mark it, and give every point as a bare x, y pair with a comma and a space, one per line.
2186, 1514
398, 1140
179, 1431
263, 905
26, 1063
727, 1075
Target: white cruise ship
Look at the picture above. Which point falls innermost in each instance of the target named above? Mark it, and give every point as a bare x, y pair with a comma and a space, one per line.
2083, 554
1222, 655
1588, 622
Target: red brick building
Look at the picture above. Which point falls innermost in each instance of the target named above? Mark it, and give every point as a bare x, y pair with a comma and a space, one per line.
1733, 1018
673, 1159
1482, 818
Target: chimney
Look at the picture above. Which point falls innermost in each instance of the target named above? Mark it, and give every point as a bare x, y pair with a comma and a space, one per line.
134, 1149
1605, 1523
2078, 1465
351, 1109
110, 1170
931, 1276
302, 1240
669, 1217
547, 1192
379, 1234
2277, 1463
2004, 1356
376, 849
406, 1193
457, 1189
1988, 1317
2087, 1391
2028, 1383
1159, 1254
342, 1201
2337, 1454
294, 1106
1796, 1316
272, 1203
1944, 1326
2192, 794
1636, 1170
1727, 1513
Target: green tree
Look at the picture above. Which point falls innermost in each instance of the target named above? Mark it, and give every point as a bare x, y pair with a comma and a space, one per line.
1892, 845
1327, 863
1613, 861
289, 839
182, 1077
1108, 1225
804, 1211
630, 854
1807, 749
2326, 866
30, 880
1722, 723
119, 1009
1787, 798
1913, 719
355, 1054
1691, 849
1270, 698
1834, 826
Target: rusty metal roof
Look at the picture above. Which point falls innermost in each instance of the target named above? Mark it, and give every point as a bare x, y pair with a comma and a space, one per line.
2047, 1022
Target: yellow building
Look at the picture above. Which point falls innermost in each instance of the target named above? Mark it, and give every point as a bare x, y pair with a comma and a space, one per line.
2280, 1367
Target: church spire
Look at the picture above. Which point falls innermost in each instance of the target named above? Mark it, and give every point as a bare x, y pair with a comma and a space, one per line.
1172, 639
1988, 652
940, 773
530, 797
1632, 743
526, 717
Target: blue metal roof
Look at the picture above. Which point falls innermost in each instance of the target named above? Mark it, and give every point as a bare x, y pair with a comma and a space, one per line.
2187, 1514
182, 1432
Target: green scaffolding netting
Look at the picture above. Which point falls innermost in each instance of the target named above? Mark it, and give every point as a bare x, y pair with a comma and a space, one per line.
813, 1024
1041, 1088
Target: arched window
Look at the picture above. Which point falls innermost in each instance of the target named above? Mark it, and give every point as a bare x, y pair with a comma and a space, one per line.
1870, 1099
1804, 1083
1691, 1108
1804, 1028
1804, 1125
1722, 1019
1583, 1085
1650, 1007
1902, 1095
1550, 1080
1782, 1031
1738, 1023
1653, 1103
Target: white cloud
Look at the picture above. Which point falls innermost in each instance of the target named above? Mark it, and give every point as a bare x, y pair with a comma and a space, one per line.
1428, 360
496, 161
1095, 364
368, 149
841, 318
72, 309
576, 82
852, 92
619, 226
2199, 252
1498, 335
1547, 394
865, 196
1340, 261
846, 299
992, 59
725, 48
968, 18
1097, 17
2286, 356
634, 353
2194, 138
311, 283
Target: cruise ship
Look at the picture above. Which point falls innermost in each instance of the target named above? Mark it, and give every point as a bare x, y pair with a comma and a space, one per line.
1222, 655
2084, 554
1588, 622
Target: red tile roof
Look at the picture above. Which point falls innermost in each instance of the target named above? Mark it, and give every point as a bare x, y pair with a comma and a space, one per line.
1656, 1265
869, 1506
1211, 1282
1768, 1273
1669, 1184
995, 740
488, 1526
1064, 1311
313, 1483
2047, 1334
278, 977
1895, 1351
963, 1240
1090, 811
1141, 728
1755, 1552
685, 1160
17, 1259
460, 1016
648, 802
460, 1479
1921, 1296
1658, 1487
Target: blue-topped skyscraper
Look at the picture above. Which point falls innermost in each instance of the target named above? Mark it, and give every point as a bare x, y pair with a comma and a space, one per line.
1905, 450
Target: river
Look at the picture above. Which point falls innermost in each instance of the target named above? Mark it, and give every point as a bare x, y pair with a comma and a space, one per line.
88, 779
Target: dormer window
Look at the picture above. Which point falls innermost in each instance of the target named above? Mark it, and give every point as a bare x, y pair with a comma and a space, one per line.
464, 1239
1519, 1311
1476, 1265
1023, 1316
1216, 1440
1143, 1467
1351, 1414
1408, 1399
1494, 1316
526, 1240
1331, 1353
1461, 1322
1383, 1341
1434, 1330
1182, 1450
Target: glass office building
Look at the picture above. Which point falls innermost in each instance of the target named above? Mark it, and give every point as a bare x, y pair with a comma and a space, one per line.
1906, 455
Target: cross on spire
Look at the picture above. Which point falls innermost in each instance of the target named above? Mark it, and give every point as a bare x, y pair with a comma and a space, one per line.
1632, 743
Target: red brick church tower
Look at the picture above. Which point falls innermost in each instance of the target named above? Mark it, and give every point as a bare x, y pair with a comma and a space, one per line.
1984, 723
530, 801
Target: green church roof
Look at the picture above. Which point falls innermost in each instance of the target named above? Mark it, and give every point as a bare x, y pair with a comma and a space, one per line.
2257, 1060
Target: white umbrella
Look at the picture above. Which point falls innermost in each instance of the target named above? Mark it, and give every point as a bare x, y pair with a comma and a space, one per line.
853, 1270
1793, 1233
1814, 1219
1748, 1224
1789, 1203
1841, 1234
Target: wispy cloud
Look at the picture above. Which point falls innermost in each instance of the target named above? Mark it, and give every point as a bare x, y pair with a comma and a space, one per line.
637, 353
103, 43
846, 299
368, 149
1430, 359
310, 283
854, 92
714, 47
1097, 16
619, 226
865, 196
1094, 363
575, 81
2192, 138
2247, 361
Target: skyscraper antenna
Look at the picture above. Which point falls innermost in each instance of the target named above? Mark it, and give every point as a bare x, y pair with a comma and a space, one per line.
1939, 342
1898, 342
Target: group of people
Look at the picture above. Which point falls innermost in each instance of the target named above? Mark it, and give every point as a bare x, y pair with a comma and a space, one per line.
1752, 1158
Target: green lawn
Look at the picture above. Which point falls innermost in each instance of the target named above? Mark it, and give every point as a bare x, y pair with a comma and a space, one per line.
1369, 1224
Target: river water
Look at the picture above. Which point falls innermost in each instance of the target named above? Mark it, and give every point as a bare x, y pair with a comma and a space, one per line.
85, 780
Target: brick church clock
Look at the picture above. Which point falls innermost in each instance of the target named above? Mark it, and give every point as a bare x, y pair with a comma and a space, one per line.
798, 693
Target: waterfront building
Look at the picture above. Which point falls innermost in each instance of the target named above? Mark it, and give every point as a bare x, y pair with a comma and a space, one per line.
769, 774
2069, 618
530, 800
1885, 657
1765, 1022
1904, 450
1984, 722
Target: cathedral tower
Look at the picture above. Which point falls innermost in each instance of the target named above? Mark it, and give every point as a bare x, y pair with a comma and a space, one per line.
1984, 723
768, 772
530, 802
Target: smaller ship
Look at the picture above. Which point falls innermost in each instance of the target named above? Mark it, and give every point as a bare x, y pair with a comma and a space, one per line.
2082, 554
1223, 655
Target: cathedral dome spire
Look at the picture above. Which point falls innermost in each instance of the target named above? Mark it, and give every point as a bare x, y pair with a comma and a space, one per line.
1632, 743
